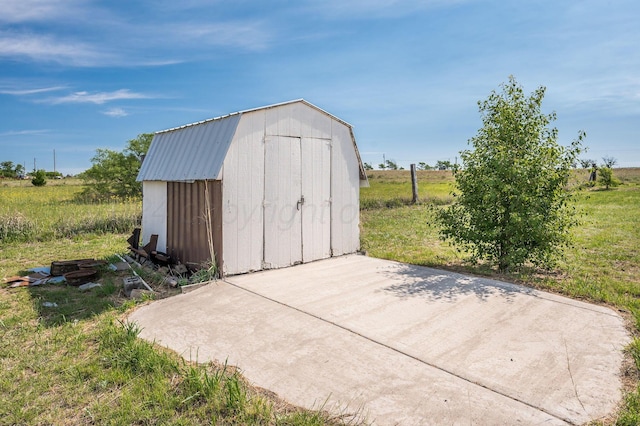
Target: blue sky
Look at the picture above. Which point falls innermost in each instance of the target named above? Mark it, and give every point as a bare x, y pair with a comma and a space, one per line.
77, 75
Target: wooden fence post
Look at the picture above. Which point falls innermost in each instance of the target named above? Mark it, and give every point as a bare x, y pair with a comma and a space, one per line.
414, 184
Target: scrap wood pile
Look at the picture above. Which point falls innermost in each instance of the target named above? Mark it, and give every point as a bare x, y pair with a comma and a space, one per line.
72, 272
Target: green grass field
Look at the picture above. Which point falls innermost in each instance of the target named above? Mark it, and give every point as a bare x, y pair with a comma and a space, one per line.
79, 363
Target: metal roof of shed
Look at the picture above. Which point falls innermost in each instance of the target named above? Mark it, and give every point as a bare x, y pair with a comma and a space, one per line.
197, 151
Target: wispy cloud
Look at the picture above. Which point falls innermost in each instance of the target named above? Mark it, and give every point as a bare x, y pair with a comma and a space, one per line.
44, 48
246, 35
116, 112
359, 9
98, 98
26, 92
25, 132
16, 11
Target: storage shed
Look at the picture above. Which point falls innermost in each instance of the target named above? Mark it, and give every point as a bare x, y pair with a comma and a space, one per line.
269, 187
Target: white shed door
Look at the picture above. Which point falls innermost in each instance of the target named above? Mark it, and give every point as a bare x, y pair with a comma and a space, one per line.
316, 190
297, 222
282, 193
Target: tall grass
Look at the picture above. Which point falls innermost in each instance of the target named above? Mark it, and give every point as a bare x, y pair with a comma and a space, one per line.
52, 212
392, 188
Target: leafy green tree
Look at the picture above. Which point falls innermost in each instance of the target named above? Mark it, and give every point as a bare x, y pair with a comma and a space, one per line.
444, 165
512, 205
423, 166
391, 165
606, 178
368, 166
586, 163
6, 168
54, 175
113, 173
19, 170
609, 162
39, 178
381, 166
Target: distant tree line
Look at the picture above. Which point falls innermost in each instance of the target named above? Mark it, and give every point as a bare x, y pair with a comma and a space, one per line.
603, 173
586, 163
9, 170
609, 162
391, 165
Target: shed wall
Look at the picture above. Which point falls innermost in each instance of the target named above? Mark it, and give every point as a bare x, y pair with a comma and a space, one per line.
154, 212
243, 181
243, 194
297, 120
345, 192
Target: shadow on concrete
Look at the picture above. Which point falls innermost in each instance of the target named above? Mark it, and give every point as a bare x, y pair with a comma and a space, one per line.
434, 284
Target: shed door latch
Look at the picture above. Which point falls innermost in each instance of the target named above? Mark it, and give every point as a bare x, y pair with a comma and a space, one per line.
300, 202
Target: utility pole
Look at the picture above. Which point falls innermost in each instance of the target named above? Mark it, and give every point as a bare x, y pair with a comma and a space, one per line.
34, 164
54, 162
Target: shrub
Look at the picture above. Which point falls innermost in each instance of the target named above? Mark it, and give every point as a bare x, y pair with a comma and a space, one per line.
606, 178
39, 178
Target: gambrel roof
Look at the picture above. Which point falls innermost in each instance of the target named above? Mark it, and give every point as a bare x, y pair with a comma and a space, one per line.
197, 151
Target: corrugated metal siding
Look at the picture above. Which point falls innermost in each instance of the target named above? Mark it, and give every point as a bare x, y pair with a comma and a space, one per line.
190, 153
186, 228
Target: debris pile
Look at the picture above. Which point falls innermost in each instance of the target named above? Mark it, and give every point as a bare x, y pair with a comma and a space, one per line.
72, 272
32, 279
83, 274
167, 275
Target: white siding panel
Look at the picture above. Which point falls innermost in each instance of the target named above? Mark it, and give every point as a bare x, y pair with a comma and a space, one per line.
243, 194
154, 212
282, 218
298, 120
316, 190
345, 192
314, 124
284, 120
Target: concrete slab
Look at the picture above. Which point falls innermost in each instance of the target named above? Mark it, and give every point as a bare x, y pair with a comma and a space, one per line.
403, 344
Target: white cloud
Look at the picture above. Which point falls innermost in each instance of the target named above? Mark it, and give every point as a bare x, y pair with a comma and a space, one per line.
116, 112
25, 92
14, 11
25, 132
98, 98
44, 48
357, 9
247, 35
